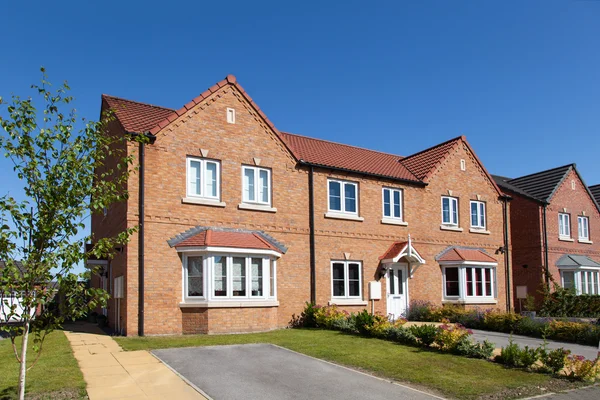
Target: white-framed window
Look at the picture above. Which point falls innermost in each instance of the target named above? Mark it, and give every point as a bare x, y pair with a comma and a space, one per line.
229, 277
477, 214
564, 225
203, 178
449, 211
256, 184
392, 203
584, 281
342, 196
469, 282
346, 280
583, 224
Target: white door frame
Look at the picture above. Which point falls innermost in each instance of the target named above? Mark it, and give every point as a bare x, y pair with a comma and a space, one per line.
404, 268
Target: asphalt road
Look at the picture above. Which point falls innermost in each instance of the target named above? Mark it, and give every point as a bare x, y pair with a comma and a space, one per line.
501, 340
268, 372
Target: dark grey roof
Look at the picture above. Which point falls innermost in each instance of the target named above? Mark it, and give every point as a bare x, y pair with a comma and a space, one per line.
595, 190
542, 185
503, 182
574, 260
197, 229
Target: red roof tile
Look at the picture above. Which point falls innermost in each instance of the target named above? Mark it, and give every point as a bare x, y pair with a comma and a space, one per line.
336, 155
135, 116
240, 240
423, 163
475, 255
393, 251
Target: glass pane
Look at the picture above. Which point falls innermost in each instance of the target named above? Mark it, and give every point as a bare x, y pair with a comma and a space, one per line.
238, 276
386, 203
474, 218
338, 279
338, 288
568, 279
392, 281
195, 279
263, 187
194, 178
488, 281
479, 281
220, 276
400, 282
257, 276
272, 278
353, 279
446, 210
335, 199
561, 225
469, 272
397, 204
350, 197
211, 179
454, 211
338, 271
249, 184
482, 215
452, 288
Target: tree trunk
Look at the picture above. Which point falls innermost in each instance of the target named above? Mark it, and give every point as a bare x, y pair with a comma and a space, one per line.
23, 371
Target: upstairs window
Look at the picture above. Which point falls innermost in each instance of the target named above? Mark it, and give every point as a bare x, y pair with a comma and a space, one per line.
343, 196
584, 229
478, 214
203, 178
564, 225
256, 185
449, 211
392, 203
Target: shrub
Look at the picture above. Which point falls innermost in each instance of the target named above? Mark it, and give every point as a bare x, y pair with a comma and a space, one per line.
563, 302
425, 333
469, 348
531, 327
325, 316
581, 369
363, 321
379, 326
528, 357
344, 324
509, 355
554, 360
402, 335
420, 311
306, 318
579, 332
449, 336
501, 321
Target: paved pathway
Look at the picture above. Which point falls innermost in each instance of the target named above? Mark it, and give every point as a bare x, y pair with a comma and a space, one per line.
501, 340
589, 393
268, 372
111, 373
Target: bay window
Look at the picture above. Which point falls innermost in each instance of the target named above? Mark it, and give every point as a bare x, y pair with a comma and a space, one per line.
584, 281
229, 277
470, 283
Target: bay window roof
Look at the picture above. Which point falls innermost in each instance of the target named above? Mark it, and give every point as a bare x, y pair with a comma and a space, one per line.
202, 237
464, 255
576, 261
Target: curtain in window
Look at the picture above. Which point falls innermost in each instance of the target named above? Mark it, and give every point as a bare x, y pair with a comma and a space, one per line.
238, 275
257, 276
220, 276
249, 184
194, 272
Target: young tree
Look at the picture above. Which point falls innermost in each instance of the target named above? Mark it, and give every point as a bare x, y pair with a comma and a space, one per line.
70, 168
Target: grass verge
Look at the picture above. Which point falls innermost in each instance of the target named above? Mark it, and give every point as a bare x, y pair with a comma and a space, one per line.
448, 375
55, 376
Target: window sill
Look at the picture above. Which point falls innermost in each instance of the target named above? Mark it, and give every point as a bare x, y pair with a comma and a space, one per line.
479, 231
585, 241
450, 228
565, 239
470, 301
203, 202
256, 207
392, 221
229, 304
349, 217
348, 302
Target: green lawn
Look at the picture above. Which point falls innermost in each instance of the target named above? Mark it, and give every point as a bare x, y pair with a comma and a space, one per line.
446, 374
55, 376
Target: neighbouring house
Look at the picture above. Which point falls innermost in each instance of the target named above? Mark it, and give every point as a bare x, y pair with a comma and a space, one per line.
595, 190
555, 231
242, 224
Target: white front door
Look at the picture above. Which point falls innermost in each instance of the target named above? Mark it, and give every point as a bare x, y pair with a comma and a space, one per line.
396, 291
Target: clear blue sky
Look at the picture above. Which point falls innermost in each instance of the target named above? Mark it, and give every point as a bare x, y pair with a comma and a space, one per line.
521, 79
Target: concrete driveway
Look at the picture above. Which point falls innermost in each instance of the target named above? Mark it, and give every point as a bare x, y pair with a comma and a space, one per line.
501, 340
264, 371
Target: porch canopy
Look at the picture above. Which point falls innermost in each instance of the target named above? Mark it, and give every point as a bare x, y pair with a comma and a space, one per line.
461, 255
576, 261
403, 250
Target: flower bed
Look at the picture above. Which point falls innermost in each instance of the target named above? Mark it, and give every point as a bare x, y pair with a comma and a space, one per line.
455, 338
493, 320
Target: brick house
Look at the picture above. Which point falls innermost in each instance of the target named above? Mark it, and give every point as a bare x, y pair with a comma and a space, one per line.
555, 224
242, 223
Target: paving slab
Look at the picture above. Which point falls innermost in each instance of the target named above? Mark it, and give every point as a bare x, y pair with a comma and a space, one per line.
111, 373
269, 372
